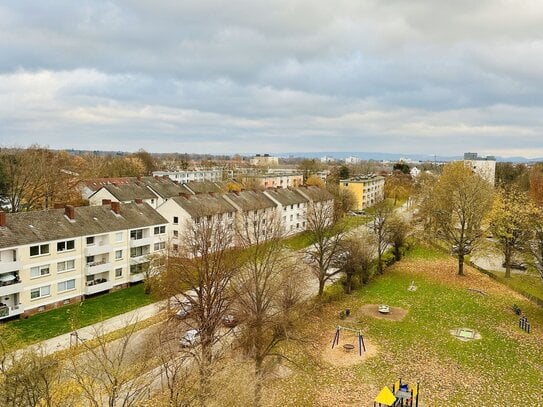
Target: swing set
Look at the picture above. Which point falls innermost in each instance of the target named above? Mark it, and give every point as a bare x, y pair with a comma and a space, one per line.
361, 344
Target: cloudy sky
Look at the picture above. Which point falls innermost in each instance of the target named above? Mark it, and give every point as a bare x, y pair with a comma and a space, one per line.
407, 76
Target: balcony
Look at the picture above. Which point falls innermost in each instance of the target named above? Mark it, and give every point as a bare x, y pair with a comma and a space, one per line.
97, 267
6, 312
139, 259
12, 287
9, 266
98, 249
135, 277
98, 286
146, 241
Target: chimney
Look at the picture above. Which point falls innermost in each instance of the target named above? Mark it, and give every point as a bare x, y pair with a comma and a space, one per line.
106, 201
2, 218
156, 177
138, 178
116, 207
184, 195
138, 200
58, 205
69, 211
212, 194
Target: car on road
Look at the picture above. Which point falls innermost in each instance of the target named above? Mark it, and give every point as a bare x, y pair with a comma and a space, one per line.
185, 309
517, 265
190, 338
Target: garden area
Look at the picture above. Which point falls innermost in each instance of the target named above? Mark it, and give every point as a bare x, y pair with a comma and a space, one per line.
422, 340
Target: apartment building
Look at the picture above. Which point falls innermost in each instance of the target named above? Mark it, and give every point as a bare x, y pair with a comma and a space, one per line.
367, 190
257, 217
320, 203
264, 160
215, 174
292, 209
284, 180
58, 256
485, 167
185, 211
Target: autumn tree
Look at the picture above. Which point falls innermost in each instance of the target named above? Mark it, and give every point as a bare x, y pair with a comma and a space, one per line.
397, 231
398, 186
202, 267
148, 161
402, 167
536, 183
381, 213
264, 290
344, 200
508, 174
314, 180
327, 236
455, 207
510, 221
308, 167
357, 255
536, 245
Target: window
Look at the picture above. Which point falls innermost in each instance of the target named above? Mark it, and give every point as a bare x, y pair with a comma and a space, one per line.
66, 245
160, 246
291, 206
39, 271
291, 217
119, 236
136, 234
175, 220
175, 233
139, 251
66, 285
229, 214
90, 240
209, 218
139, 268
284, 208
160, 230
284, 218
297, 226
298, 206
39, 250
65, 266
40, 292
118, 254
90, 259
119, 272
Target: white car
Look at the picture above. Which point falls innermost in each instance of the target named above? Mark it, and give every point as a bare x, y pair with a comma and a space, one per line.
190, 338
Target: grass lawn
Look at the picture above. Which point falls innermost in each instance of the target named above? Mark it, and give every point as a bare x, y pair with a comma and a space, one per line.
92, 310
530, 283
502, 369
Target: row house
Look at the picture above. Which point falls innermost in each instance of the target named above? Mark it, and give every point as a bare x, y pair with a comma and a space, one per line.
292, 208
57, 256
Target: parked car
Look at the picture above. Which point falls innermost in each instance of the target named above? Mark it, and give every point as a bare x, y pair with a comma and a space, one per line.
184, 310
517, 265
467, 249
190, 338
229, 321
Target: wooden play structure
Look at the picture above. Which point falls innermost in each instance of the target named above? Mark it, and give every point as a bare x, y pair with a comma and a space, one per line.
348, 347
401, 395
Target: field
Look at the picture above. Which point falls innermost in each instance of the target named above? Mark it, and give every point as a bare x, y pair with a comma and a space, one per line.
503, 368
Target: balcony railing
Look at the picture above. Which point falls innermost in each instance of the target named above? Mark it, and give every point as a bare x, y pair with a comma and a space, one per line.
98, 267
6, 311
97, 286
9, 266
10, 287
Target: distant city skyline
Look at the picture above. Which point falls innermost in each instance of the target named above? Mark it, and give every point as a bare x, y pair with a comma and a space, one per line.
418, 77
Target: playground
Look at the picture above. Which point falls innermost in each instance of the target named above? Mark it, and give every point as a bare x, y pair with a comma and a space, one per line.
419, 347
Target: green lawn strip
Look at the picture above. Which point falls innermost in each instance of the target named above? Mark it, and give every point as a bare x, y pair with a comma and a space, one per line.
92, 310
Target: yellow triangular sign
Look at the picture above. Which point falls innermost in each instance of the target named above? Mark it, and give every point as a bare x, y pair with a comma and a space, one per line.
385, 397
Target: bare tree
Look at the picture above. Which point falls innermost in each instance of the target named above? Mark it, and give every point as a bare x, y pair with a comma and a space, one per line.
111, 373
536, 245
327, 236
263, 290
382, 212
455, 207
202, 267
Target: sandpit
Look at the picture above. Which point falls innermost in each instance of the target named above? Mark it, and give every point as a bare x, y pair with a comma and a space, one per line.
340, 357
372, 310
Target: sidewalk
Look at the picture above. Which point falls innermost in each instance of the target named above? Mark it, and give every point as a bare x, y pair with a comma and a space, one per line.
64, 341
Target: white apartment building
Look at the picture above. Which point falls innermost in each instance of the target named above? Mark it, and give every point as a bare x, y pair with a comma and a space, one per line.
182, 177
292, 209
485, 167
183, 212
54, 257
352, 160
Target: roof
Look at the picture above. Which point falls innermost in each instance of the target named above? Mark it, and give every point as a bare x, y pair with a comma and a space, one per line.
364, 178
203, 204
286, 196
202, 187
164, 186
316, 194
130, 192
42, 226
251, 200
96, 183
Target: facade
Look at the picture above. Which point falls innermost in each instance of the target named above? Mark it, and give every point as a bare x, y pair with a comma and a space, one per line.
54, 257
485, 167
292, 209
265, 160
352, 160
214, 174
367, 189
274, 180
